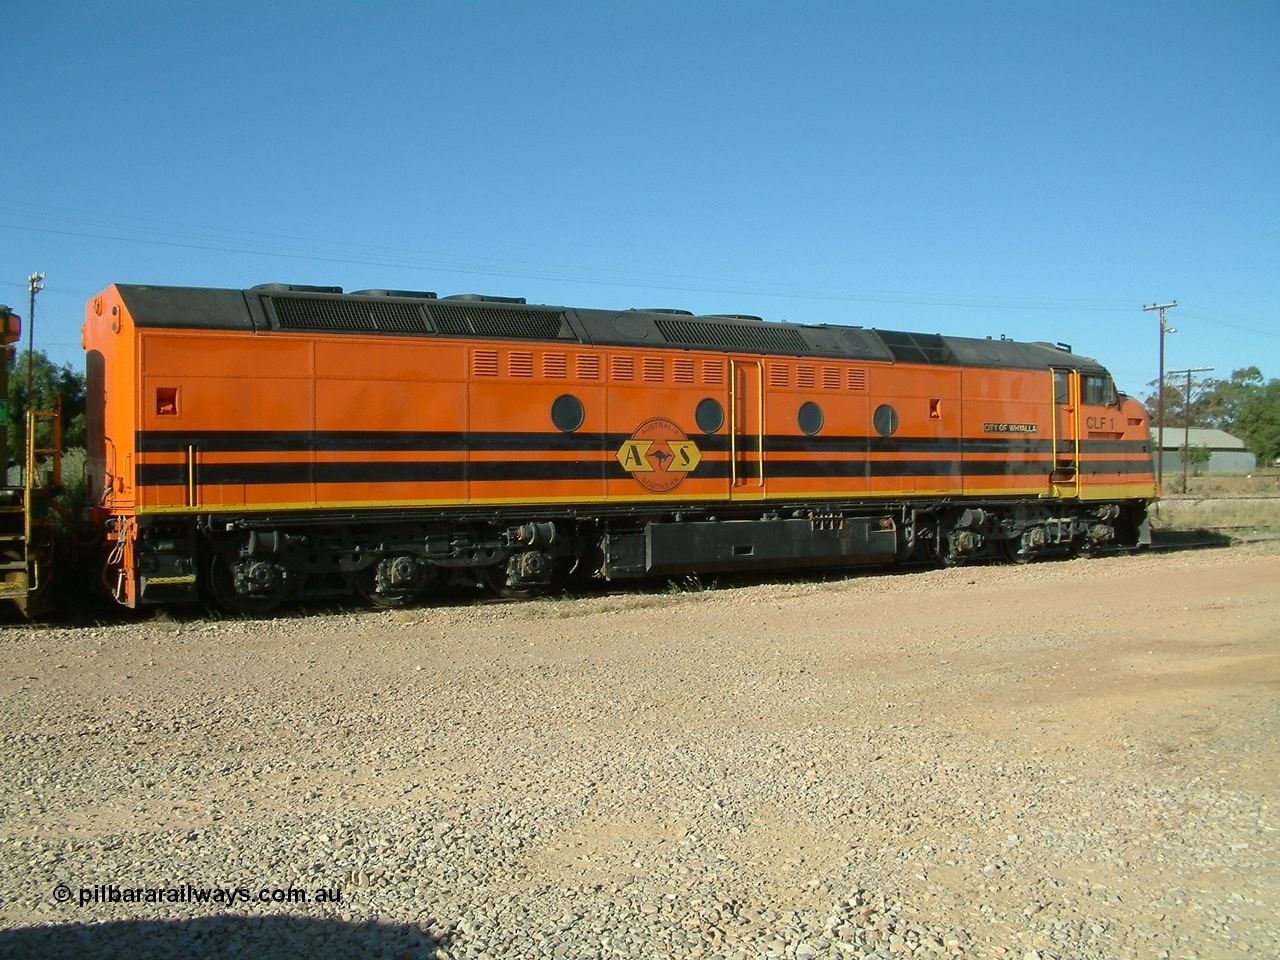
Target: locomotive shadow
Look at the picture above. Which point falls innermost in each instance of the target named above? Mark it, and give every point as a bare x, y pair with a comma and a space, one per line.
217, 937
1190, 539
101, 612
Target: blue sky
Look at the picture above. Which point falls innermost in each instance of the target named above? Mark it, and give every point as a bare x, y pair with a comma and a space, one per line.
1039, 170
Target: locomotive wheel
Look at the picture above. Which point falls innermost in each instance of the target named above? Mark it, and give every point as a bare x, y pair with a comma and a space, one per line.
222, 585
1083, 547
1012, 550
366, 582
495, 578
947, 557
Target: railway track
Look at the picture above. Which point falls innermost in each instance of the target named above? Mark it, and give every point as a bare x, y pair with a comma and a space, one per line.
99, 614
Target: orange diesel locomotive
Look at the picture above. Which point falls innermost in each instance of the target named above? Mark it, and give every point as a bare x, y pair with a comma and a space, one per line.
286, 441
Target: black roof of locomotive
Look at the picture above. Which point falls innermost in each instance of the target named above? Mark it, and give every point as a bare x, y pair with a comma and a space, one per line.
291, 308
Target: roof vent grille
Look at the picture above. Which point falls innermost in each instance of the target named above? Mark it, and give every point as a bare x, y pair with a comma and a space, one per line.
457, 319
360, 316
709, 333
916, 347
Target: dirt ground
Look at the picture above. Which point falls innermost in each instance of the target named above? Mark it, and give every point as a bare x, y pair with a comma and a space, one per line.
1065, 759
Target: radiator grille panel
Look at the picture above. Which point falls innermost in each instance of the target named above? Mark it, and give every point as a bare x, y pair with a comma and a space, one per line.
358, 316
710, 333
468, 320
916, 347
402, 316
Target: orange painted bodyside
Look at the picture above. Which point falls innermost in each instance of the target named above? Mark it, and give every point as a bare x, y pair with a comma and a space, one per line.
110, 345
364, 422
110, 349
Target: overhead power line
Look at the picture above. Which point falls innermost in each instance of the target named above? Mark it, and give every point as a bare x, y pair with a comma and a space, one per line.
159, 232
1234, 326
296, 249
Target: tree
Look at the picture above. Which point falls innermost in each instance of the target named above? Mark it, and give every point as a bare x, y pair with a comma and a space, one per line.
1173, 404
1225, 397
1257, 422
1246, 406
48, 381
1195, 456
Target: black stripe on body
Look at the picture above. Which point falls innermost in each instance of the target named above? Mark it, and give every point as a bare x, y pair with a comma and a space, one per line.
429, 441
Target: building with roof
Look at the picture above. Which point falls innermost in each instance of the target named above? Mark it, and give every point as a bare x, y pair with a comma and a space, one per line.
1227, 454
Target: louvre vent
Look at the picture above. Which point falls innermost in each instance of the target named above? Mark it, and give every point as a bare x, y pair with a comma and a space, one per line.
805, 378
916, 347
856, 378
484, 363
652, 367
587, 366
519, 364
555, 366
710, 333
779, 375
360, 316
622, 368
712, 372
683, 370
830, 378
479, 321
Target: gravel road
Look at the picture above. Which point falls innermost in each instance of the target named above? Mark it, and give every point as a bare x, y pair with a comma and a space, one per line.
1068, 759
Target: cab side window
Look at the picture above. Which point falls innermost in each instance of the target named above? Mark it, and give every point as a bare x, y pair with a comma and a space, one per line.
1098, 391
1061, 390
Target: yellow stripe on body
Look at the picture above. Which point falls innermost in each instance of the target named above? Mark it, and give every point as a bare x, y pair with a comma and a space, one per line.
1112, 492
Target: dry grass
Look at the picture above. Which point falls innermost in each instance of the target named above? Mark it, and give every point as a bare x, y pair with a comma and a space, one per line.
1260, 483
1217, 514
1239, 504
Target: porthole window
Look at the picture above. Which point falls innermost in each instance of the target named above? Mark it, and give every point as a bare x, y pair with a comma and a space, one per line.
885, 420
709, 415
810, 417
567, 413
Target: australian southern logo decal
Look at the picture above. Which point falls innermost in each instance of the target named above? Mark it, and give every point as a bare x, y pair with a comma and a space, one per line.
659, 455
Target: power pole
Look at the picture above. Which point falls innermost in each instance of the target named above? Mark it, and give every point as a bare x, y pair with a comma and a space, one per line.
1186, 419
1164, 328
35, 283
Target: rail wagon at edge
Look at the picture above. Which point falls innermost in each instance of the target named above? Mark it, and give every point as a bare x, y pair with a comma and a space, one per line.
298, 442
